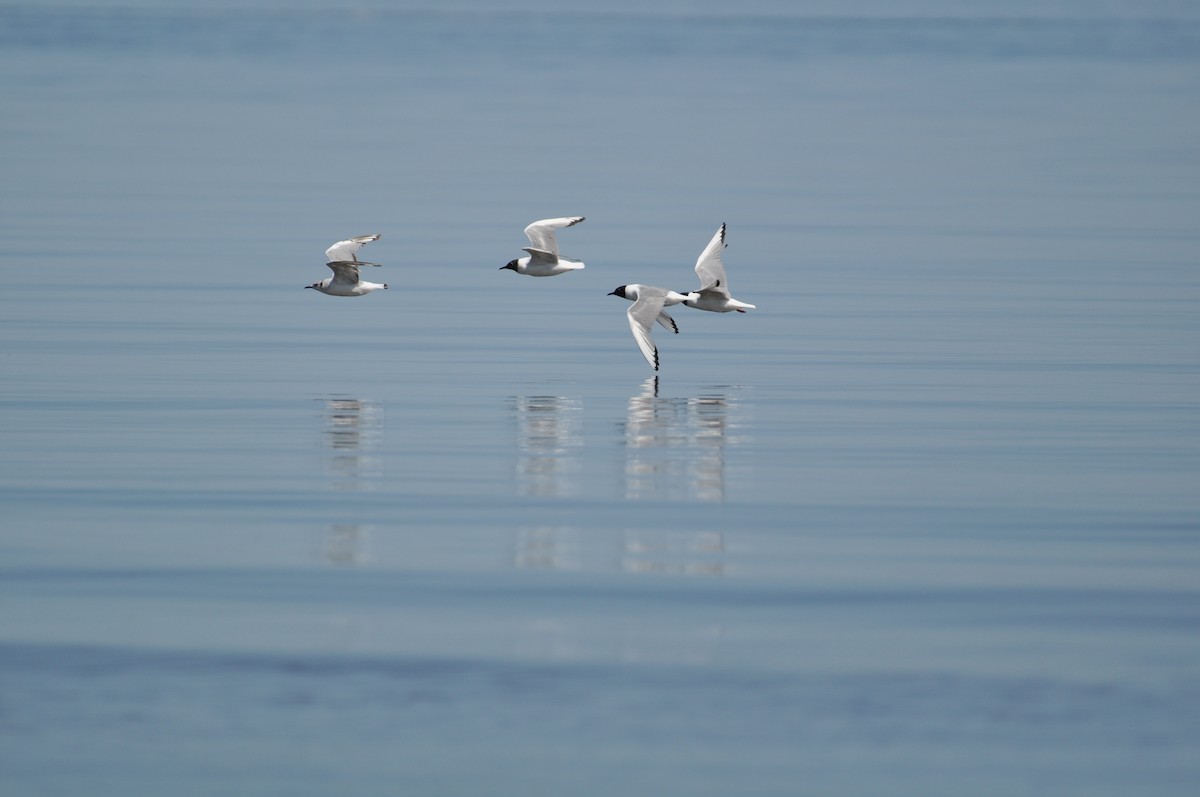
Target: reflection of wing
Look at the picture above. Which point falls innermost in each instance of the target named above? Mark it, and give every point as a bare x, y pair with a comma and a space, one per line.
344, 272
348, 250
642, 315
710, 269
541, 233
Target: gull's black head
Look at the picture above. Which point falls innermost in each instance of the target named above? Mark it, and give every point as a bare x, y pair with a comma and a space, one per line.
511, 264
619, 292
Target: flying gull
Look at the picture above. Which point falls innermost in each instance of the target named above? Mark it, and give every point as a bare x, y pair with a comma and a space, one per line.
343, 260
543, 259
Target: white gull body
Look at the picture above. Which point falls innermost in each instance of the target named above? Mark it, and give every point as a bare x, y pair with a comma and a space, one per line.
648, 302
343, 259
714, 285
543, 259
664, 318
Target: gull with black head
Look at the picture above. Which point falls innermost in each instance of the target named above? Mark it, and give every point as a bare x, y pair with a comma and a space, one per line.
648, 302
714, 285
343, 259
543, 259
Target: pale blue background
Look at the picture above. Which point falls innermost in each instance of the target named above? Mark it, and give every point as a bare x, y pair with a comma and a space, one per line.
924, 523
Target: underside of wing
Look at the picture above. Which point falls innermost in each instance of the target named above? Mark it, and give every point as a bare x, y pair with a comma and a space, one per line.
541, 256
642, 315
717, 293
345, 272
668, 322
709, 267
641, 333
541, 233
347, 250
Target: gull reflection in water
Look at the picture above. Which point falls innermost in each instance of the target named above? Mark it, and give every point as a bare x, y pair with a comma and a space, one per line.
675, 450
675, 447
688, 553
549, 440
352, 428
548, 548
549, 436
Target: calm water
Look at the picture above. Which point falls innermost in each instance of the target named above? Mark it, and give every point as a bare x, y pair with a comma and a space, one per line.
926, 522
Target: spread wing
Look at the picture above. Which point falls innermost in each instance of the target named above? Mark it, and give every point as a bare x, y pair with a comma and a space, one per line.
348, 250
541, 233
540, 256
668, 322
710, 269
642, 314
345, 272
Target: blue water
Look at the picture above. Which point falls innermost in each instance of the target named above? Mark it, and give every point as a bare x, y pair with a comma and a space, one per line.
925, 522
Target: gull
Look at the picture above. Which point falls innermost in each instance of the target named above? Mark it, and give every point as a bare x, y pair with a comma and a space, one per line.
343, 259
714, 287
648, 303
630, 292
543, 259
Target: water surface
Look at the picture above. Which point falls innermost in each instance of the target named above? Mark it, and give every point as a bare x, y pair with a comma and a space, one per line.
923, 523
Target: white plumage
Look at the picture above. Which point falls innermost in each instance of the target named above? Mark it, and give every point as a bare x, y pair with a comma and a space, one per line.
543, 259
343, 261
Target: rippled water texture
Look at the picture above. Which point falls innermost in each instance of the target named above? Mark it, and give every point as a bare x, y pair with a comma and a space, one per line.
924, 523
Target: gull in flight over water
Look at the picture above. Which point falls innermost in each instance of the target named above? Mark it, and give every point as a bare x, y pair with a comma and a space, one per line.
648, 303
630, 292
343, 259
543, 259
714, 286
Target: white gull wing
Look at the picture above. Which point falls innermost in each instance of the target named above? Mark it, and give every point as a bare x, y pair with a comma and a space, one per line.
345, 272
668, 322
710, 269
642, 315
541, 233
541, 256
347, 251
